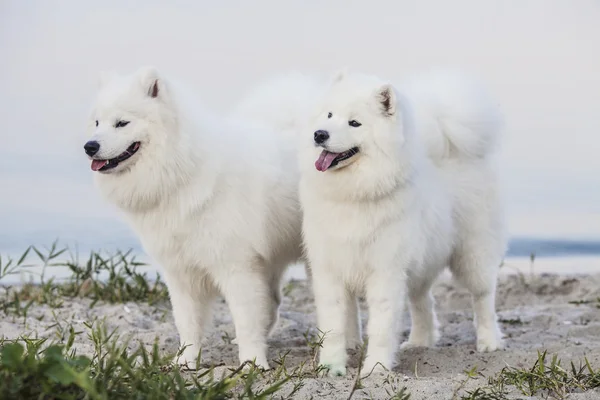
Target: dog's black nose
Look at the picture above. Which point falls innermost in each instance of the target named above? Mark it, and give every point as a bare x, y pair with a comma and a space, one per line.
321, 137
91, 147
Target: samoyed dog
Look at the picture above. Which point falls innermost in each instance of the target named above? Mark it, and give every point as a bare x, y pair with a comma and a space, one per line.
395, 186
213, 200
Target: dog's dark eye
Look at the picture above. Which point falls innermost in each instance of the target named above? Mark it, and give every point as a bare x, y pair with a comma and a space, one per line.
96, 122
354, 123
329, 115
121, 124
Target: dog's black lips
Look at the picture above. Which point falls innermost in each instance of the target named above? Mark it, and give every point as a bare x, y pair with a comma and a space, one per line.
344, 156
113, 162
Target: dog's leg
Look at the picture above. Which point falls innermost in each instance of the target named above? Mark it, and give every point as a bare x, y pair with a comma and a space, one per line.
250, 301
275, 276
385, 292
191, 297
353, 325
330, 300
479, 275
424, 325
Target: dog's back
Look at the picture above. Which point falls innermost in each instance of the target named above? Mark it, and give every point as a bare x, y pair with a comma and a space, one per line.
461, 128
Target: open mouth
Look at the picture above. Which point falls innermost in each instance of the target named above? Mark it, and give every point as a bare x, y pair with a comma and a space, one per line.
327, 159
104, 165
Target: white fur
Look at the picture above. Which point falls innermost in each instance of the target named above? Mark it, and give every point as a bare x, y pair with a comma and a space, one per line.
213, 200
420, 195
284, 102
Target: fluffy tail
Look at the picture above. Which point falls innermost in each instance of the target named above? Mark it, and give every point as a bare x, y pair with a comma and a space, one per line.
455, 116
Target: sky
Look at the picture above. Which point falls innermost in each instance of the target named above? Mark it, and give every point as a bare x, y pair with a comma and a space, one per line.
539, 58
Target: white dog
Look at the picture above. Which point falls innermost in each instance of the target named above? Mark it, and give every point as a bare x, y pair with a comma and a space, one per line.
213, 200
394, 188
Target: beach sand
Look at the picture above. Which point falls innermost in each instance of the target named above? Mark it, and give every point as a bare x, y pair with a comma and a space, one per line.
535, 314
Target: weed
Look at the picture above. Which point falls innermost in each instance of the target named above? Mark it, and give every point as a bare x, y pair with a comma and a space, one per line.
112, 278
550, 378
401, 394
511, 321
29, 369
315, 343
596, 302
547, 379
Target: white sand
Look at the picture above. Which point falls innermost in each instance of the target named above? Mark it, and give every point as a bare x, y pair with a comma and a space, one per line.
541, 303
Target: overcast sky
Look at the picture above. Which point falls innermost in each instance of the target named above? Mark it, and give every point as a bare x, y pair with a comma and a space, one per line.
540, 58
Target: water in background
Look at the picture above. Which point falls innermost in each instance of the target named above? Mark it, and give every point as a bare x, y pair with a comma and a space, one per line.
551, 255
518, 246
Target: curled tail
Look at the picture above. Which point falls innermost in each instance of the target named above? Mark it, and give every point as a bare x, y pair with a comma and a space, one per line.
455, 116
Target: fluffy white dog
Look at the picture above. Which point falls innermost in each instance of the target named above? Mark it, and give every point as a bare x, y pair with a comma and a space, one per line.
394, 188
213, 200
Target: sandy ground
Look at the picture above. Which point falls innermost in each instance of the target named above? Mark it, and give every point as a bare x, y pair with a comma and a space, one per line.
535, 313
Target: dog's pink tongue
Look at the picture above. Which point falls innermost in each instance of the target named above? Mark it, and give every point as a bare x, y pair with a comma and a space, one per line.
97, 164
325, 159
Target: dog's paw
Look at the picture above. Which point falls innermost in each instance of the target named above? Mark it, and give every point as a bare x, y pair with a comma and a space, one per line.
422, 339
409, 344
333, 358
260, 363
334, 370
379, 359
489, 340
372, 368
489, 344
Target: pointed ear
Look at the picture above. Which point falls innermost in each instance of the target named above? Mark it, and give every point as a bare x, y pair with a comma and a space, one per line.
387, 99
150, 80
339, 75
105, 78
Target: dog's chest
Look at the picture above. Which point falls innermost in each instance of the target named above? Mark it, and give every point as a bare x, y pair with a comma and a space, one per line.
351, 223
171, 237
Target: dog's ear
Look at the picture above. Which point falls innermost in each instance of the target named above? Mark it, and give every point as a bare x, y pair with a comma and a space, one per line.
387, 99
105, 78
339, 75
150, 81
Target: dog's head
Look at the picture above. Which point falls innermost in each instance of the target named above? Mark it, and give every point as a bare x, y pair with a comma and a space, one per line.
359, 138
360, 118
135, 140
128, 121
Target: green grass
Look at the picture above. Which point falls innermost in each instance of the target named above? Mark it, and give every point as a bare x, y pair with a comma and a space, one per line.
30, 369
113, 278
511, 321
595, 302
547, 378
